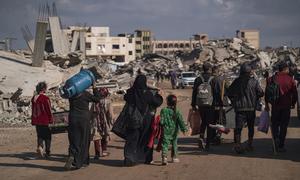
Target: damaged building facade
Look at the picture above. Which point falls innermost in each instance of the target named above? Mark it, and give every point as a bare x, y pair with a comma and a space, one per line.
59, 53
172, 47
249, 35
99, 44
143, 42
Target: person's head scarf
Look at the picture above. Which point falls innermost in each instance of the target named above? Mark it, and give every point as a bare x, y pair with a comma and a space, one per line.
245, 69
140, 82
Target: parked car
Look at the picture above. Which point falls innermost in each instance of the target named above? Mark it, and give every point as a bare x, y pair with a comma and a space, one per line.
186, 79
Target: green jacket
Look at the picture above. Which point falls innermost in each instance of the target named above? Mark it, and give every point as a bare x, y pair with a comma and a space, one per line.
171, 127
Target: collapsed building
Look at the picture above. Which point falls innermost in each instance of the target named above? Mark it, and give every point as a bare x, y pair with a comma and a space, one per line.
56, 54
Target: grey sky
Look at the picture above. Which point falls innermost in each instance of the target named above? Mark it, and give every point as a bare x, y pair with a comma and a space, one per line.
278, 20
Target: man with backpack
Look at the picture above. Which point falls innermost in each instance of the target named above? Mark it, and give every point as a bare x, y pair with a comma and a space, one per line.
281, 93
202, 101
244, 94
220, 101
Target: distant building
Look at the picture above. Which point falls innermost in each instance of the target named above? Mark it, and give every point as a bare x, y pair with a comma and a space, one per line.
201, 38
169, 47
143, 42
250, 35
99, 43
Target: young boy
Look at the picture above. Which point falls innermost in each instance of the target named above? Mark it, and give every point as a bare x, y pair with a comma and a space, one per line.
41, 118
171, 121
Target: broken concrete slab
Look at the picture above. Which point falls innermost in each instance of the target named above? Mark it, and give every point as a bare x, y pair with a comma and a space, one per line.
26, 77
59, 39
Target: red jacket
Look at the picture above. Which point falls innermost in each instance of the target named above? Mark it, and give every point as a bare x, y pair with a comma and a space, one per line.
156, 133
288, 91
41, 110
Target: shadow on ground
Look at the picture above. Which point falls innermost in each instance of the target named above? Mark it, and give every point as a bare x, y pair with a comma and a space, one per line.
30, 156
36, 166
263, 149
110, 162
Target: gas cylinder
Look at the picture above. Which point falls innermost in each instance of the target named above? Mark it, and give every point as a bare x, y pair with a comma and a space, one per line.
77, 84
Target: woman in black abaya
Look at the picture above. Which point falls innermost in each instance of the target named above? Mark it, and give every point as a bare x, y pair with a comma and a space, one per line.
146, 100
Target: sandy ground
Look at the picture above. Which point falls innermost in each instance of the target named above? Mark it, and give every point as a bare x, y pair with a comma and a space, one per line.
17, 158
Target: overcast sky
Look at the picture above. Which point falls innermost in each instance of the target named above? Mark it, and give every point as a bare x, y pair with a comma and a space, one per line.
277, 20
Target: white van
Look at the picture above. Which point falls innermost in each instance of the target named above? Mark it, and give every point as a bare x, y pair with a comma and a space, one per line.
186, 79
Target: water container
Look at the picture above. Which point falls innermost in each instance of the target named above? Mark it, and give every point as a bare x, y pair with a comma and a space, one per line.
77, 84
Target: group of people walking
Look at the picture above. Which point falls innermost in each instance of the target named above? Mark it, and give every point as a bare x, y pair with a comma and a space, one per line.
86, 123
244, 95
141, 127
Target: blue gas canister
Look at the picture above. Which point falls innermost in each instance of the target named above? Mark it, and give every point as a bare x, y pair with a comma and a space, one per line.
77, 84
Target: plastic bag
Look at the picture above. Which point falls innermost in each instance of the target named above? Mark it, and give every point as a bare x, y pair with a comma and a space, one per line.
264, 121
194, 121
120, 125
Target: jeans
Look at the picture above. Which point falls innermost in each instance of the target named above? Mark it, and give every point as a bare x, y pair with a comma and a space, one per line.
242, 117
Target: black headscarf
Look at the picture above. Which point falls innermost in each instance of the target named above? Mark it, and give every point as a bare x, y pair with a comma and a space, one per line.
136, 94
140, 82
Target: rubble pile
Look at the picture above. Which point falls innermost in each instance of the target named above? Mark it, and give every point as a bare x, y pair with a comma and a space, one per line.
150, 65
17, 84
230, 53
14, 109
18, 78
69, 60
120, 79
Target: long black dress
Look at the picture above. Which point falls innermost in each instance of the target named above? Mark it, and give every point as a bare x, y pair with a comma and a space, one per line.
146, 101
79, 127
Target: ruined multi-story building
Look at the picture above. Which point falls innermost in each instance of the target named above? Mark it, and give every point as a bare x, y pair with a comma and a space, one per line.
99, 43
143, 42
169, 47
250, 35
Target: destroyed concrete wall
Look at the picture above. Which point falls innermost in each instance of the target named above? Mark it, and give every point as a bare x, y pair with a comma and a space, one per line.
40, 42
59, 39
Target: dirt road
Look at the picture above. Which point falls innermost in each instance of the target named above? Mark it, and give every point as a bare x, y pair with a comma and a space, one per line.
17, 158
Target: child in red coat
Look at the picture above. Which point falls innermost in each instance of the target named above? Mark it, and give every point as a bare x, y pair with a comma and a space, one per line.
41, 117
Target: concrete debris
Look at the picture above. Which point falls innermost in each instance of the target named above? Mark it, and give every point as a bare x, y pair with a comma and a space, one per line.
236, 44
229, 54
221, 54
18, 78
14, 75
18, 111
265, 59
64, 61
